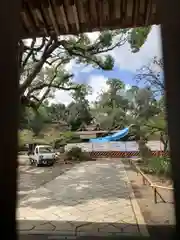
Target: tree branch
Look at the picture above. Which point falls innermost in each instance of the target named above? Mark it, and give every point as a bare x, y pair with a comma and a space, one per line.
154, 127
57, 86
98, 63
50, 47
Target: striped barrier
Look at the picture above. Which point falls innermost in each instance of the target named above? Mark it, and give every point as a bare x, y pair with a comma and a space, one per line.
116, 154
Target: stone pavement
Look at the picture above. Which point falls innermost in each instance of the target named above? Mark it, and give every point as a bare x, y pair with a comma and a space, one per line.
92, 198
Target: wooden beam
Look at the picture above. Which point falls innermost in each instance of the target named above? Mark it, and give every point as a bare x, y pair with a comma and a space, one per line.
43, 20
75, 12
29, 13
28, 19
148, 12
99, 12
53, 18
64, 18
135, 12
112, 11
123, 6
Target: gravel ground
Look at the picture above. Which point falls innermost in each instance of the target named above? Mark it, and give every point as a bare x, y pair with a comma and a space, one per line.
159, 217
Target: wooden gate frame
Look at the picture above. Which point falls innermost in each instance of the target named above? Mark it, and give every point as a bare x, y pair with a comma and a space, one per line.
9, 22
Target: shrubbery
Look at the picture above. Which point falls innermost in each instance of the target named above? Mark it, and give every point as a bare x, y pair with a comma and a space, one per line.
159, 166
76, 154
65, 138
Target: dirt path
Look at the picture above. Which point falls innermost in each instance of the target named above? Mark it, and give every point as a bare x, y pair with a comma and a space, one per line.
159, 217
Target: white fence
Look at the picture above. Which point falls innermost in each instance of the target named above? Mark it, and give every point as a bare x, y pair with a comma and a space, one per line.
114, 146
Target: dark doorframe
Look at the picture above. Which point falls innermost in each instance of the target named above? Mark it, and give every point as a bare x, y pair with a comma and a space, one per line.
9, 80
9, 22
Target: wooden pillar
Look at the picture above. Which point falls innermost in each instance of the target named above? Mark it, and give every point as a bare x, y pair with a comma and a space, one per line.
169, 12
9, 27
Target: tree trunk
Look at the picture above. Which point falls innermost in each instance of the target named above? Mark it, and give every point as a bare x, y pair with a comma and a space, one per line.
165, 140
145, 152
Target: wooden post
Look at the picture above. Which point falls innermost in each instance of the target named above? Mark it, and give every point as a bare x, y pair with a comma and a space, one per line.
9, 101
169, 12
155, 195
144, 181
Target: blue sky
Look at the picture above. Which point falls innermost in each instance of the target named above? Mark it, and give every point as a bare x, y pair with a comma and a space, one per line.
124, 74
126, 65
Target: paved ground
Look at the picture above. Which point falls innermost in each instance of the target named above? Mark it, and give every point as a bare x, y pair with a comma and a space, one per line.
90, 198
31, 178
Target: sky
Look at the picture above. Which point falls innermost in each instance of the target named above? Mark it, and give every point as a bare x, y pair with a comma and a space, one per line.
125, 67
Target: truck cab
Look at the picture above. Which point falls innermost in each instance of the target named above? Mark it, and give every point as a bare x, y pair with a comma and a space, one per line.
41, 155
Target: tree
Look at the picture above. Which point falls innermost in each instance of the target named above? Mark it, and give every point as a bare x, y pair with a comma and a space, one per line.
55, 53
36, 124
111, 108
79, 113
142, 107
56, 112
137, 37
157, 124
34, 120
152, 75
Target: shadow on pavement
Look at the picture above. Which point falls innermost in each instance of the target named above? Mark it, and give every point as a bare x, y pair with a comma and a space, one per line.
80, 185
31, 177
87, 230
76, 188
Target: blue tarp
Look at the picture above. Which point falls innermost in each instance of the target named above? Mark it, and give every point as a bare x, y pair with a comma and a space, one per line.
116, 136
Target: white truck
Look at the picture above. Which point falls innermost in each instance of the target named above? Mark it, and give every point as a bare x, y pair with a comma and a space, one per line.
41, 155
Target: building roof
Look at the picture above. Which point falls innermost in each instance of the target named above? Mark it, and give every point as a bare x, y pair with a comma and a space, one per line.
47, 17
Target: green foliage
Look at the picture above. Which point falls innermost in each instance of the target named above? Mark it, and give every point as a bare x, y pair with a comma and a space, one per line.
137, 37
26, 137
79, 110
55, 112
58, 143
65, 138
159, 166
39, 82
71, 137
76, 154
36, 124
118, 108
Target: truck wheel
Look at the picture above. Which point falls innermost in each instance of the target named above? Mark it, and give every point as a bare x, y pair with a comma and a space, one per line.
36, 164
30, 161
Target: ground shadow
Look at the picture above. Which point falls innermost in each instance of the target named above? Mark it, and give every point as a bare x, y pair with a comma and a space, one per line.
76, 187
80, 230
31, 177
84, 182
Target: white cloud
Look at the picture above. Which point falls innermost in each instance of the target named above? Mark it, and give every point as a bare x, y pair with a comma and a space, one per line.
62, 97
87, 69
98, 84
125, 59
93, 36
